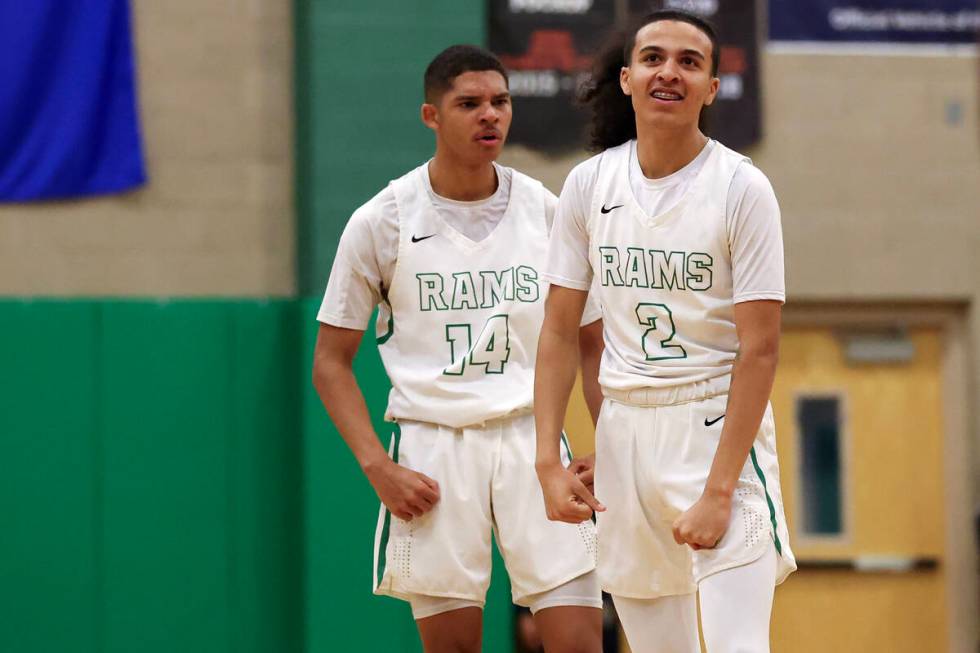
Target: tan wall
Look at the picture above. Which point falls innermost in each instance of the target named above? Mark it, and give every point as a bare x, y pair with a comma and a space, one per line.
216, 217
879, 191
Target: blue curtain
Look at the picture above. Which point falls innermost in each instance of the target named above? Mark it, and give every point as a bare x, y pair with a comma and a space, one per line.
68, 121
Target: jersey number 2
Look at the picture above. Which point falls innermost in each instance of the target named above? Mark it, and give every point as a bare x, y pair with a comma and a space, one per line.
656, 339
491, 349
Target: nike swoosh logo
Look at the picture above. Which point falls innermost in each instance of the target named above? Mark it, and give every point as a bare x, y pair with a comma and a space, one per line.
611, 208
416, 239
710, 422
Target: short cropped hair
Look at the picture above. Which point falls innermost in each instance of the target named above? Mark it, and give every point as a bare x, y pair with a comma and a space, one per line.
453, 62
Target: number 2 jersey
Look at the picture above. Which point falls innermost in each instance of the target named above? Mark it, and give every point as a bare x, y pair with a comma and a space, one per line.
668, 278
458, 318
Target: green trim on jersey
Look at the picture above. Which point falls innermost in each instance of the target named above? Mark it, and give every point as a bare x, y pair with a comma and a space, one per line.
385, 337
386, 529
772, 508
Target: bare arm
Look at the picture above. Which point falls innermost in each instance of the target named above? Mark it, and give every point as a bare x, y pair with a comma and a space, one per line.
590, 347
590, 351
757, 324
406, 493
566, 497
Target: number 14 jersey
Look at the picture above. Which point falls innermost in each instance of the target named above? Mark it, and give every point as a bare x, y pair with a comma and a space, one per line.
458, 326
668, 282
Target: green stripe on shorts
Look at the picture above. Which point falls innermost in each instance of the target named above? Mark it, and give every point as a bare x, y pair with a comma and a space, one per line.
386, 529
568, 449
772, 508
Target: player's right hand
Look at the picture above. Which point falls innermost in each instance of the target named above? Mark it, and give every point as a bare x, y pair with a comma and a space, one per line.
405, 492
565, 496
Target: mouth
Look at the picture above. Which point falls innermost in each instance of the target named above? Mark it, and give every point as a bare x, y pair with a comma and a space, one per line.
665, 95
489, 137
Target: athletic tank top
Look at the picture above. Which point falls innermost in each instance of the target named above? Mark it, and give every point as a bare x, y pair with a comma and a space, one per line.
459, 325
664, 281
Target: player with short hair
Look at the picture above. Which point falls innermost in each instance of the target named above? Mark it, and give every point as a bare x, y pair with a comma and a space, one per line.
681, 237
451, 254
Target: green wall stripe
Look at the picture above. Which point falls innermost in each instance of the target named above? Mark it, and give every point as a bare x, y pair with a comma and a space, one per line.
150, 485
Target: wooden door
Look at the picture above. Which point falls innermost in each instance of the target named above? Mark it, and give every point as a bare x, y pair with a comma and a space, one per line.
870, 547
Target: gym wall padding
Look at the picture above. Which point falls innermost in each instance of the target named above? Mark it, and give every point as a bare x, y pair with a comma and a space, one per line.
170, 482
150, 487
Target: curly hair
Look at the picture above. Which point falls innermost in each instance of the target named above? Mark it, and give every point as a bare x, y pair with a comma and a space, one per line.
613, 120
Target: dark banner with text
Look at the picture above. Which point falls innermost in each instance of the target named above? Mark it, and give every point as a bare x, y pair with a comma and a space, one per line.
547, 47
875, 21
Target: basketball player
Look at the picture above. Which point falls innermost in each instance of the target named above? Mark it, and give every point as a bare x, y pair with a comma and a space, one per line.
683, 239
451, 253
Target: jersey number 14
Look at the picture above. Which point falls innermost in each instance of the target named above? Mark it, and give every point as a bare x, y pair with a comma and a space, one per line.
491, 348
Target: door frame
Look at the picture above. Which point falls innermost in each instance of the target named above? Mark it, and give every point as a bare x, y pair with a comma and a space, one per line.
952, 319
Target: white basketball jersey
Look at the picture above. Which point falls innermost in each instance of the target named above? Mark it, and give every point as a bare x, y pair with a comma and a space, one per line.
459, 333
664, 281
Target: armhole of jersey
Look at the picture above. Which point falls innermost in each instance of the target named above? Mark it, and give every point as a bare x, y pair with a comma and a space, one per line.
399, 215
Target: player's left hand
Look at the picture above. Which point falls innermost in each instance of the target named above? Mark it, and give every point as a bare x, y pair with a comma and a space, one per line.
702, 525
584, 468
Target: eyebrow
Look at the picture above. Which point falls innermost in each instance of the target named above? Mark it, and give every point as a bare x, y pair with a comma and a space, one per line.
687, 51
464, 98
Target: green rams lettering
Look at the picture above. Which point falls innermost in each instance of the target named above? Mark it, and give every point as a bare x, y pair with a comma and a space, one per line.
476, 290
654, 268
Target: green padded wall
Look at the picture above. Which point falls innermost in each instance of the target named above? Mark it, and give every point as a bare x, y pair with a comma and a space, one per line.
149, 483
358, 87
158, 461
50, 549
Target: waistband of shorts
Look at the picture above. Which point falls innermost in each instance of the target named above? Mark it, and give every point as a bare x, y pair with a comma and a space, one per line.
673, 395
489, 423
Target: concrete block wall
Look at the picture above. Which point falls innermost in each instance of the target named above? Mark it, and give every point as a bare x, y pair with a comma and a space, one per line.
215, 97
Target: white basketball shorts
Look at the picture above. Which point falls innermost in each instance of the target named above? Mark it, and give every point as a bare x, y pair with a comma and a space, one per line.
487, 484
654, 449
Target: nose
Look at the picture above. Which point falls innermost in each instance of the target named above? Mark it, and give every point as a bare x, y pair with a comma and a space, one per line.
490, 114
668, 72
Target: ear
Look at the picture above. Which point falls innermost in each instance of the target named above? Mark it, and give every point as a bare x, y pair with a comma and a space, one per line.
712, 91
624, 80
430, 116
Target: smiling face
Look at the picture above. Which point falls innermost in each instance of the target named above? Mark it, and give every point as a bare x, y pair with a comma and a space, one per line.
669, 78
472, 118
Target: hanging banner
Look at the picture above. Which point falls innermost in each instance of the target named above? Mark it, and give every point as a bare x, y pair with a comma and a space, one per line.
735, 117
881, 21
547, 47
68, 124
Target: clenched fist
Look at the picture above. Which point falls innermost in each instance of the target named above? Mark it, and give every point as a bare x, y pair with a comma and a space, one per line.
702, 525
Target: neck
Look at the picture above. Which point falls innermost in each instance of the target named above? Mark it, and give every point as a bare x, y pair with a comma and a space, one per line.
461, 182
663, 152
